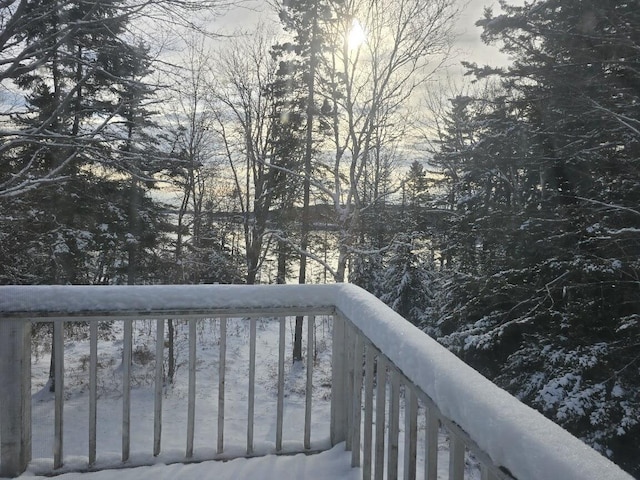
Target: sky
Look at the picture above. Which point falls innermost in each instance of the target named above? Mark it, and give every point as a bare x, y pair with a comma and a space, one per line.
446, 80
468, 44
469, 34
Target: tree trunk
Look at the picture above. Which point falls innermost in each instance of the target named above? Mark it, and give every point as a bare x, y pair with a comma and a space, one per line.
342, 263
134, 230
281, 274
304, 242
253, 260
52, 370
171, 371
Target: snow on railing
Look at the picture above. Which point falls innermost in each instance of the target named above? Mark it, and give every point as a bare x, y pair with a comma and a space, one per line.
387, 378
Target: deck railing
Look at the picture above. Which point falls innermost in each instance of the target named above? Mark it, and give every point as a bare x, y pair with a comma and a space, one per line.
393, 389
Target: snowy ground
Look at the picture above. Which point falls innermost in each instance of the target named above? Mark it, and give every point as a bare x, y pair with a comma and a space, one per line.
332, 464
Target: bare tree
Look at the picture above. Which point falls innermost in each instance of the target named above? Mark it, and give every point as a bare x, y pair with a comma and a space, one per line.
192, 140
245, 125
370, 81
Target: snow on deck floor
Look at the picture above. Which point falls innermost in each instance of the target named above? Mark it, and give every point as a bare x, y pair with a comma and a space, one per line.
329, 465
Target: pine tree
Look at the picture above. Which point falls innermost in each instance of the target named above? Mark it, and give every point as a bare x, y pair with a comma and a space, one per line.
406, 282
300, 62
542, 295
415, 197
89, 87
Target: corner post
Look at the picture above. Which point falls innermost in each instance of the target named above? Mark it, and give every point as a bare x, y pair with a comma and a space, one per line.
15, 396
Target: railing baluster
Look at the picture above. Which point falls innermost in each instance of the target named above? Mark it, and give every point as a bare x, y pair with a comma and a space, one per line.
431, 445
349, 336
368, 412
93, 389
381, 386
191, 408
280, 405
338, 374
221, 381
357, 400
58, 347
456, 457
486, 473
126, 389
252, 385
350, 377
309, 387
157, 400
410, 431
394, 425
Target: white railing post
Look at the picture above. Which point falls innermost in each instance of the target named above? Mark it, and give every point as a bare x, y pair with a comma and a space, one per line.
381, 405
127, 345
191, 403
410, 431
15, 396
456, 457
309, 387
367, 447
221, 383
356, 400
93, 391
158, 388
348, 392
58, 348
280, 401
431, 444
339, 403
394, 425
252, 385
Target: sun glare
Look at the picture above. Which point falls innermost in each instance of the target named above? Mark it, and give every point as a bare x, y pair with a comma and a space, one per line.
357, 35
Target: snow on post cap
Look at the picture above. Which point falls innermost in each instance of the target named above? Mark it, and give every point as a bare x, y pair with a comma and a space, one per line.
96, 300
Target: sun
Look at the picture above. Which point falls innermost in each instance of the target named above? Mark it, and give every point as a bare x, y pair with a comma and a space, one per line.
357, 35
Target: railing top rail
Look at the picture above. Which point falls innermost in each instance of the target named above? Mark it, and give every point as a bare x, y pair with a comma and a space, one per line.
525, 442
514, 435
163, 301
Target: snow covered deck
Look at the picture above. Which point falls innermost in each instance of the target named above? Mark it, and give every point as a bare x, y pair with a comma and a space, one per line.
330, 465
386, 377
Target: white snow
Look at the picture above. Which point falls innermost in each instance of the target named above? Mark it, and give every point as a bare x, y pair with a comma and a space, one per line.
617, 391
35, 300
515, 436
329, 465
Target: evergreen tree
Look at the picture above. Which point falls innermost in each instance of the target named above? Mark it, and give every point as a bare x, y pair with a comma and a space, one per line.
366, 272
415, 198
84, 107
300, 63
406, 282
542, 295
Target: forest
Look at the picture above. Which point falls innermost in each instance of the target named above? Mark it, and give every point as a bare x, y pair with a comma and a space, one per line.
500, 215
